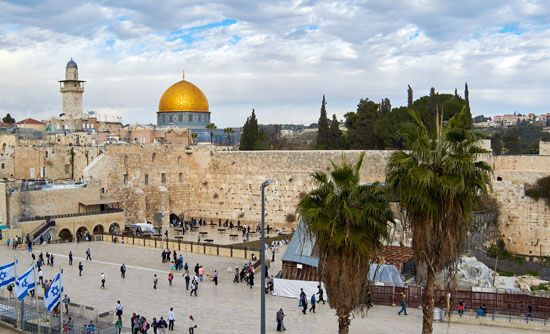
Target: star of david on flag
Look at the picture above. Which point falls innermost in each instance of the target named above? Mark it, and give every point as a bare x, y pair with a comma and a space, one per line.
7, 274
25, 283
53, 294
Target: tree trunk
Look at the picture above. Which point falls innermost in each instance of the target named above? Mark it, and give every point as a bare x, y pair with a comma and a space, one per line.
343, 320
428, 307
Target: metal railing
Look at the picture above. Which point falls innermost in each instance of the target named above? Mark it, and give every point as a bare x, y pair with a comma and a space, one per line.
68, 215
32, 317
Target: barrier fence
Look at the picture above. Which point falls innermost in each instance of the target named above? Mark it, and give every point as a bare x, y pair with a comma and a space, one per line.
182, 245
31, 316
496, 303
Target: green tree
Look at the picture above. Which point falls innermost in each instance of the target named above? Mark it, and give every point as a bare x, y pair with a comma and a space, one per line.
348, 222
228, 132
438, 180
497, 143
360, 125
323, 130
8, 119
249, 136
335, 141
211, 127
194, 138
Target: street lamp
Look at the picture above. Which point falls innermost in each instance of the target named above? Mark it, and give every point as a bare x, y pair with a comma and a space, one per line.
262, 258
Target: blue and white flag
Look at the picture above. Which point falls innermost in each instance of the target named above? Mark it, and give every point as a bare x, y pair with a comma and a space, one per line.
7, 274
25, 283
53, 294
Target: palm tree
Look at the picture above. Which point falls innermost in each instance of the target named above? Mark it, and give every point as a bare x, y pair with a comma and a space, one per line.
228, 131
438, 180
211, 127
348, 221
194, 138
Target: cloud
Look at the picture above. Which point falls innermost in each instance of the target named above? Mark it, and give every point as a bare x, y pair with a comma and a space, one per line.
278, 57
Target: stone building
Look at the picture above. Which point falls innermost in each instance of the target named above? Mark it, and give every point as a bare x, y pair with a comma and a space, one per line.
72, 90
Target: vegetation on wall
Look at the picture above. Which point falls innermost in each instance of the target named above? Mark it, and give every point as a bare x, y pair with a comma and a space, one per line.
539, 190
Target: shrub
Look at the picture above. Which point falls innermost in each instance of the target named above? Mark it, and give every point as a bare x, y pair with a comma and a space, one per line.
539, 190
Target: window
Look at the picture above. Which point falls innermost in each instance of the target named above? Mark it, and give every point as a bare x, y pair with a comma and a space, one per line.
67, 168
180, 177
3, 165
190, 118
180, 118
125, 160
146, 179
125, 178
163, 177
153, 157
43, 172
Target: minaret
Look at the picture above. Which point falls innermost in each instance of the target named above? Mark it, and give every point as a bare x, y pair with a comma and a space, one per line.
71, 92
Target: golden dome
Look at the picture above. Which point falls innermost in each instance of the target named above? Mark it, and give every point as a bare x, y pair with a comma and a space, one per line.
183, 96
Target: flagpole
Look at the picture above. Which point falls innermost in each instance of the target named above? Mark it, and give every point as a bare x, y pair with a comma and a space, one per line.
19, 319
35, 292
60, 300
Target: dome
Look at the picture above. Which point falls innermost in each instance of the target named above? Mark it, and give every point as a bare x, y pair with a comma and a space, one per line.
72, 64
183, 96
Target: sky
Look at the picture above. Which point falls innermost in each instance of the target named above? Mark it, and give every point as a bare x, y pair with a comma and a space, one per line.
278, 57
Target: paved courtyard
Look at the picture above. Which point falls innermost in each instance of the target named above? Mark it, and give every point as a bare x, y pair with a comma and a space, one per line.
226, 308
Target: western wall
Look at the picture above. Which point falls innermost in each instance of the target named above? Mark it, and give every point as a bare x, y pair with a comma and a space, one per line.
155, 181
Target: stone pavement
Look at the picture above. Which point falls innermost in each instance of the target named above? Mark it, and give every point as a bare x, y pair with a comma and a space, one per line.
226, 308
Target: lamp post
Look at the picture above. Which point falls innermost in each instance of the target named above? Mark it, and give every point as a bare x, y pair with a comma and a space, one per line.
262, 258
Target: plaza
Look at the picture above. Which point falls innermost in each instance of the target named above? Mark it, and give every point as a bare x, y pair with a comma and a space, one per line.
226, 308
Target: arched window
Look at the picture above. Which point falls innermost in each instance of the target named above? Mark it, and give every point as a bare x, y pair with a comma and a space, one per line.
125, 160
179, 160
153, 157
4, 148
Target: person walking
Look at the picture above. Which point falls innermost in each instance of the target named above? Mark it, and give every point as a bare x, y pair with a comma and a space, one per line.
66, 300
40, 277
303, 301
529, 314
192, 325
273, 254
102, 280
70, 258
321, 294
119, 310
313, 302
162, 325
171, 319
280, 320
80, 268
170, 278
88, 255
123, 271
187, 279
155, 281
403, 303
194, 284
118, 326
215, 277
460, 308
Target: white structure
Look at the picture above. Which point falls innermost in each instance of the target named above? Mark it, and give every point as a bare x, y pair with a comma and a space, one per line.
71, 92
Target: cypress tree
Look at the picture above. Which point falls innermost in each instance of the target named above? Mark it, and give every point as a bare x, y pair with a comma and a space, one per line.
456, 93
249, 136
322, 131
335, 135
466, 93
409, 96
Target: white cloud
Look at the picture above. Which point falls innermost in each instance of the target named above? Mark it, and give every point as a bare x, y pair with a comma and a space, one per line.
278, 57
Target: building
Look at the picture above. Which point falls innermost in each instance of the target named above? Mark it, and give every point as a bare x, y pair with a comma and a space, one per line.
32, 124
72, 90
184, 105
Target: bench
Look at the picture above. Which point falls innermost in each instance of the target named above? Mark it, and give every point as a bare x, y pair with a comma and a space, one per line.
203, 233
208, 241
221, 230
233, 237
178, 237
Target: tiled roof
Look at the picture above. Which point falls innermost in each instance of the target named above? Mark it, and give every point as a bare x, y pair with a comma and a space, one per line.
29, 121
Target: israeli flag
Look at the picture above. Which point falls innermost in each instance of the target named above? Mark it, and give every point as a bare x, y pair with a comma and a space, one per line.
53, 294
7, 274
25, 283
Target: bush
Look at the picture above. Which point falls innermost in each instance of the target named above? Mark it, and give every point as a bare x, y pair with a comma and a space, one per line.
531, 273
499, 249
539, 190
541, 287
505, 273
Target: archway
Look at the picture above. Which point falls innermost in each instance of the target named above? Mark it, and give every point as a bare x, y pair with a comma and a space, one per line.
114, 228
98, 229
65, 235
82, 233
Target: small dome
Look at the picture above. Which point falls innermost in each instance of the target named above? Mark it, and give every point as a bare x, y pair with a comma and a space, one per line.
72, 64
183, 96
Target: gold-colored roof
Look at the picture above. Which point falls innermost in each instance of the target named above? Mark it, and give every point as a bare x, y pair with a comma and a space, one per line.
183, 96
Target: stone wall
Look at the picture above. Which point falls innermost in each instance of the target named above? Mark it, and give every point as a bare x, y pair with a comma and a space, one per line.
212, 184
544, 148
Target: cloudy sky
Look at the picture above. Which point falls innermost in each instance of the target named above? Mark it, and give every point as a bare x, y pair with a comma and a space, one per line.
278, 57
